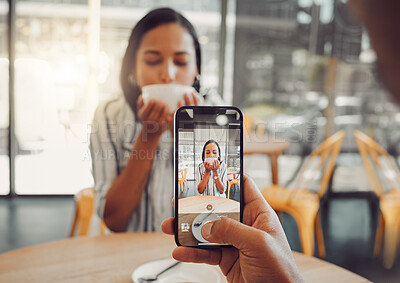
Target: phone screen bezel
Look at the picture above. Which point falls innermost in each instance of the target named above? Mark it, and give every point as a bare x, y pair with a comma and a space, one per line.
208, 110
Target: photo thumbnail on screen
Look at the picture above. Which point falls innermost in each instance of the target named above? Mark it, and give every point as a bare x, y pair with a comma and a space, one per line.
208, 169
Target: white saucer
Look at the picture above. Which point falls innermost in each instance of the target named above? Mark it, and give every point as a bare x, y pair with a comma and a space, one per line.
197, 230
184, 272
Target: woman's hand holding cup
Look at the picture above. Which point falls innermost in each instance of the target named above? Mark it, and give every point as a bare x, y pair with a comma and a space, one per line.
153, 116
188, 100
208, 166
215, 166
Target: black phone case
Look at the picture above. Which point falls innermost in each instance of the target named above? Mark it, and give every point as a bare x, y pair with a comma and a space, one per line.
176, 159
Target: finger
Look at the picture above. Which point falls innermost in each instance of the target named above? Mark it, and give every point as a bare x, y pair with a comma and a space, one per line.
187, 254
140, 102
228, 258
156, 111
191, 97
188, 100
168, 226
180, 103
253, 196
162, 115
232, 232
256, 205
159, 113
251, 191
167, 112
170, 124
216, 164
148, 109
163, 111
195, 99
164, 118
140, 108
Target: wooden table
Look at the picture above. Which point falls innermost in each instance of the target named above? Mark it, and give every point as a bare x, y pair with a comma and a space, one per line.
204, 204
113, 258
271, 146
191, 207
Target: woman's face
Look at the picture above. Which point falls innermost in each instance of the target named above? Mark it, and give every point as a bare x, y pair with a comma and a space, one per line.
166, 55
211, 151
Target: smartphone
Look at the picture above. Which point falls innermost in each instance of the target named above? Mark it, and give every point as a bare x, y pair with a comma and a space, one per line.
208, 166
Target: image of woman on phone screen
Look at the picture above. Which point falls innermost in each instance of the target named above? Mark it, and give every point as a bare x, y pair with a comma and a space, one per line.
211, 173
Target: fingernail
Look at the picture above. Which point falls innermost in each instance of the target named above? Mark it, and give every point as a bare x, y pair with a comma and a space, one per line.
206, 230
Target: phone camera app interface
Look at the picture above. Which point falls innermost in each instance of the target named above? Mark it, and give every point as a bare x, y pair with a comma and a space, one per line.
209, 169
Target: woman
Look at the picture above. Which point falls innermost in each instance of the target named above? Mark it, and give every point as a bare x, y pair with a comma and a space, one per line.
131, 142
211, 173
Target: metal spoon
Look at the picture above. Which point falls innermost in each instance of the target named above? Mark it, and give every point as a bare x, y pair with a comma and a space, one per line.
155, 277
197, 224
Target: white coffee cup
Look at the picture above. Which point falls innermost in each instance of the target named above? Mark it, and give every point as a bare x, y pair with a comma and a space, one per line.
170, 94
210, 160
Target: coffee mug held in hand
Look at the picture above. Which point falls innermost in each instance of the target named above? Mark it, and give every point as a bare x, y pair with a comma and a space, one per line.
210, 160
170, 94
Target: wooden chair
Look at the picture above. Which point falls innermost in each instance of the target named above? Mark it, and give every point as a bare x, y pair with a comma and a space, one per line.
232, 181
247, 124
182, 178
382, 172
84, 209
299, 201
253, 125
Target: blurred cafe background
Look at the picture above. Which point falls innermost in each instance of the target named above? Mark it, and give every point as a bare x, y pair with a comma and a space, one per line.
300, 70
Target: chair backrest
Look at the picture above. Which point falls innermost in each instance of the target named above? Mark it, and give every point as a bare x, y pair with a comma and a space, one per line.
230, 175
253, 125
319, 165
182, 173
84, 211
377, 163
247, 123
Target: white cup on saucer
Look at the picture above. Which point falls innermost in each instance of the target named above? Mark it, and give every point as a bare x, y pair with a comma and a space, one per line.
170, 94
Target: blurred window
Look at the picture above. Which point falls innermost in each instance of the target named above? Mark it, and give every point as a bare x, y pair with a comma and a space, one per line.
294, 58
4, 156
68, 56
278, 56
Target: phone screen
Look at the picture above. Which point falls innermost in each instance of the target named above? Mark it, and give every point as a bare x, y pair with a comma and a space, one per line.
208, 169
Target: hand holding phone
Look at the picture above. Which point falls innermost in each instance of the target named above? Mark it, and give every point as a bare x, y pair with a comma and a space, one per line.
208, 142
260, 250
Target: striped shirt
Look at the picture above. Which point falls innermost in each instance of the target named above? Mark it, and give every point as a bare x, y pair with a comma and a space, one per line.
114, 132
211, 188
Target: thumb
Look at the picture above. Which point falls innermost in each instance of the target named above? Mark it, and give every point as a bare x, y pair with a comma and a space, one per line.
231, 232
